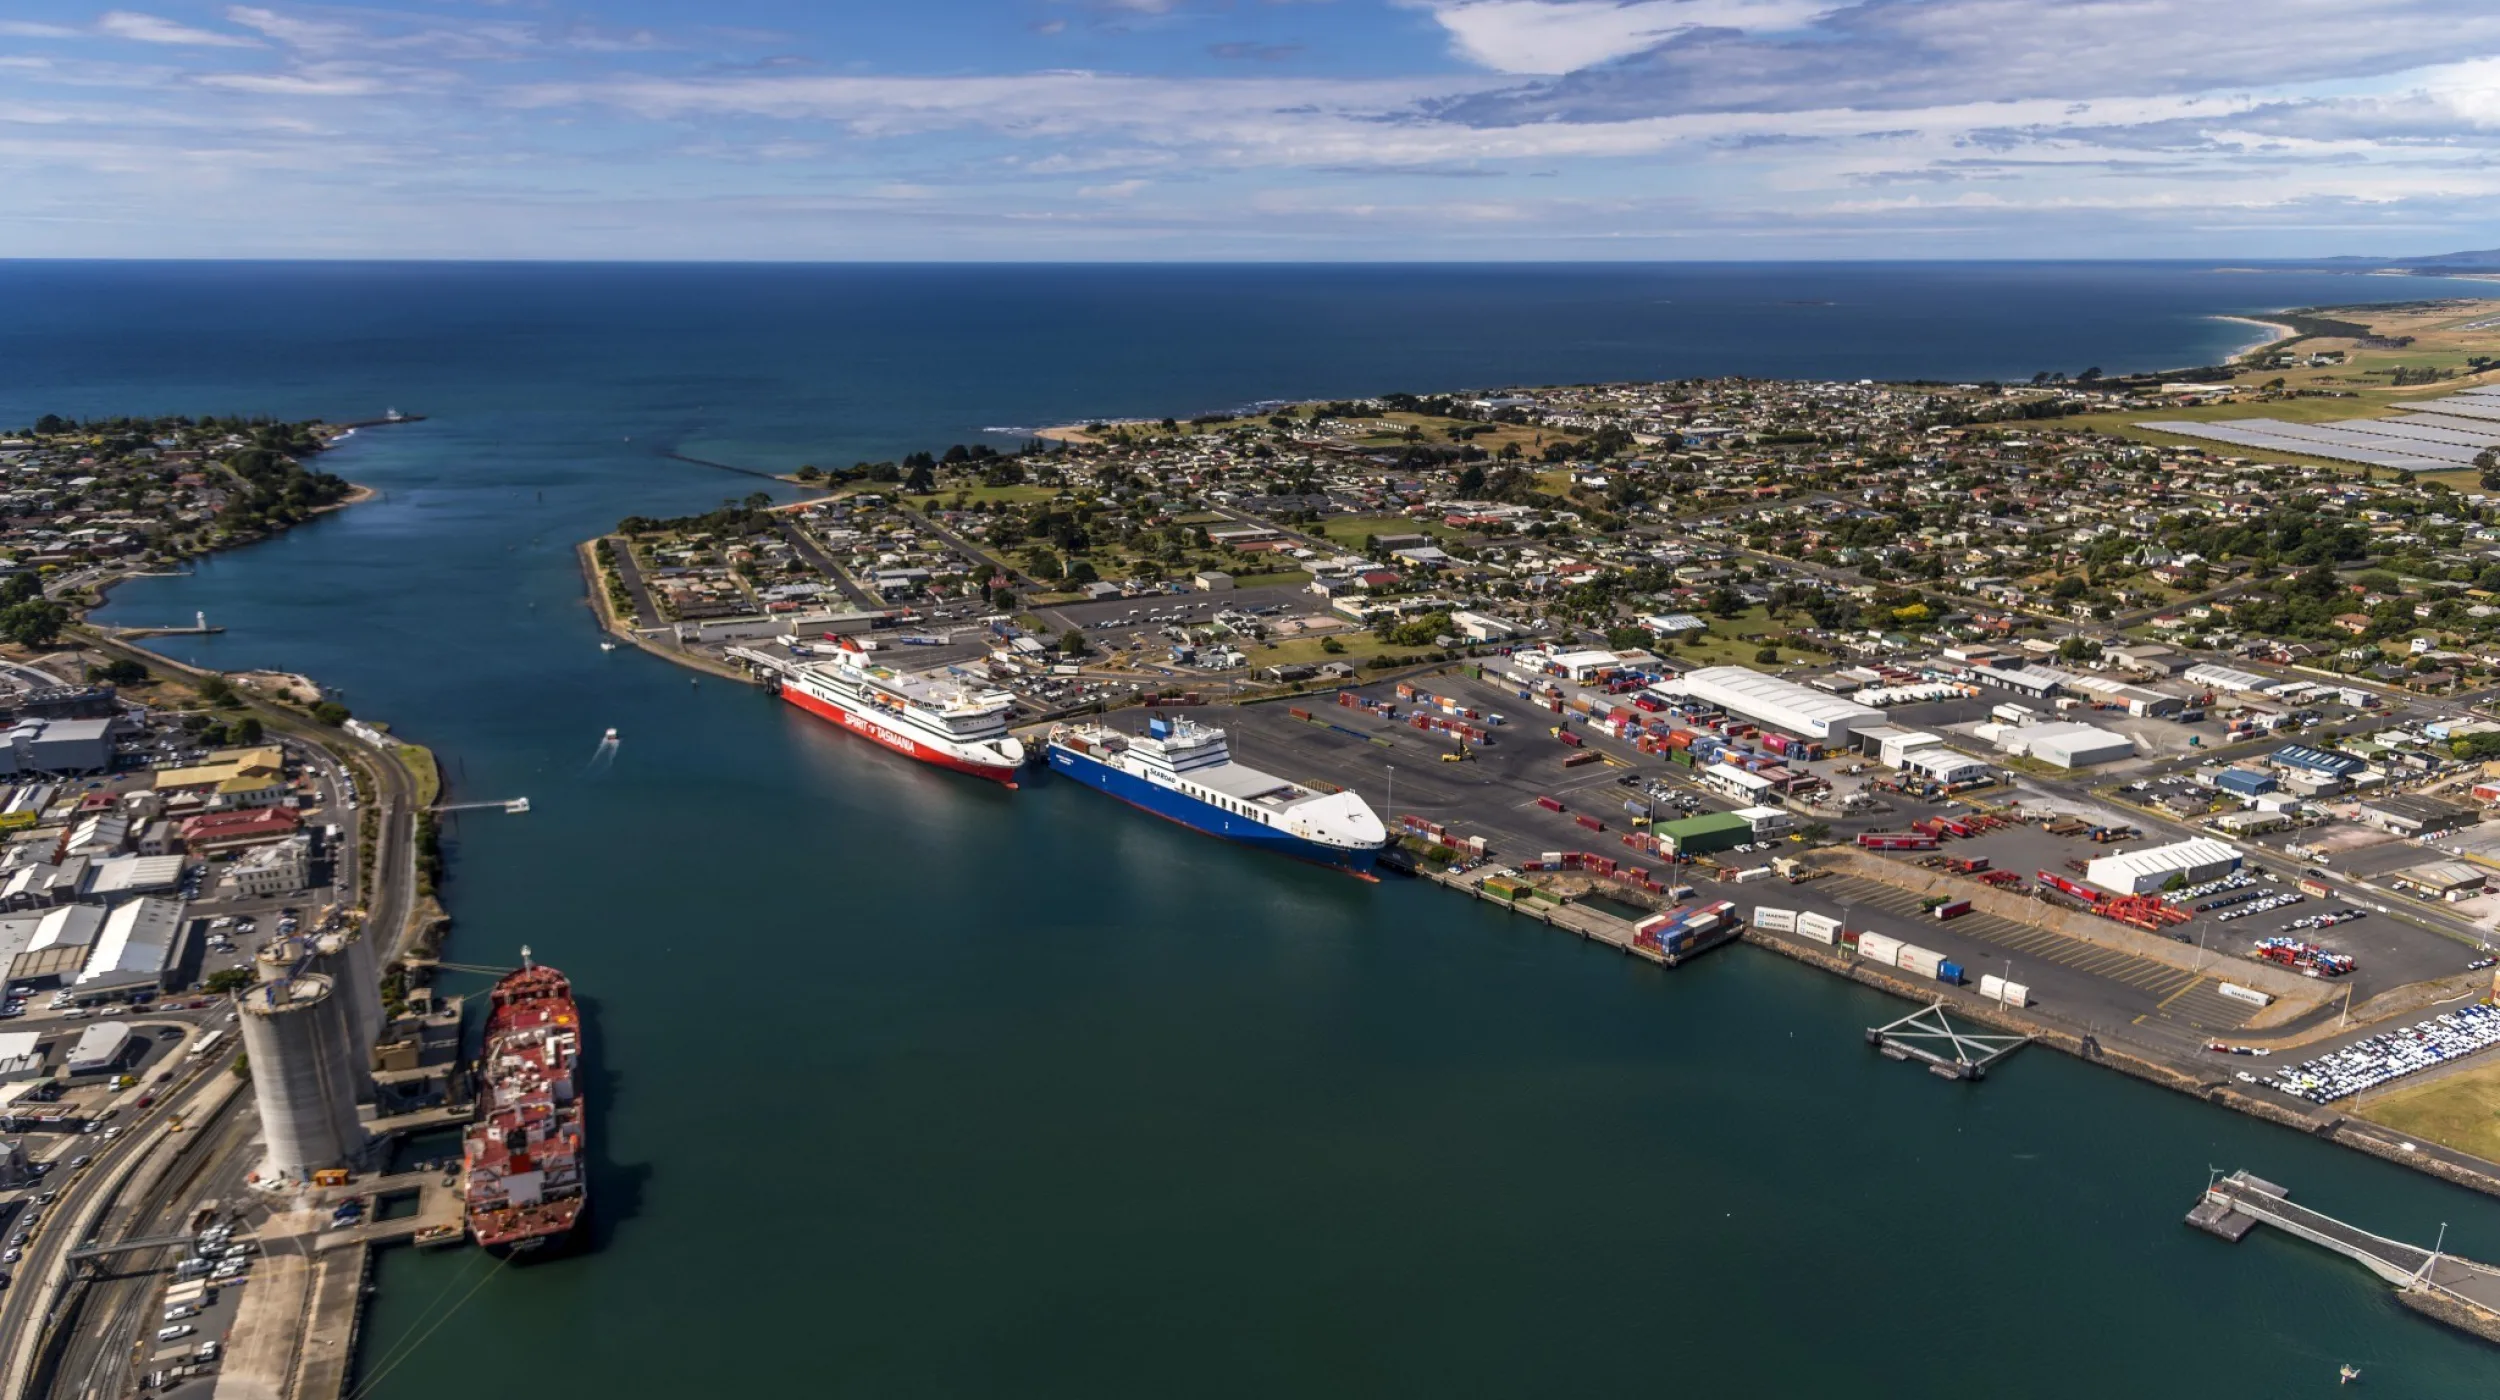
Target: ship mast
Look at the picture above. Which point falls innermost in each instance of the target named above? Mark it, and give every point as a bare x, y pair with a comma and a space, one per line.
525, 956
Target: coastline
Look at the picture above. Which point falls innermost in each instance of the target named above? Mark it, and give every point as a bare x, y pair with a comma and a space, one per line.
2279, 334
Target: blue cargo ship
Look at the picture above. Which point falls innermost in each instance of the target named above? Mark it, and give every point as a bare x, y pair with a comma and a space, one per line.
1184, 771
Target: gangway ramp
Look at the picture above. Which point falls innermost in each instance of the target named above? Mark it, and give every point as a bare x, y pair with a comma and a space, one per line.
2449, 1287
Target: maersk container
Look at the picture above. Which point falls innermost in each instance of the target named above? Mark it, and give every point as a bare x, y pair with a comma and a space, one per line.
1822, 928
1912, 958
1952, 909
1776, 920
1997, 989
1949, 972
1876, 947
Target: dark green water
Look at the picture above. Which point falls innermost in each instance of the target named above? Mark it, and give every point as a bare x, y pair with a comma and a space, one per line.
912, 1087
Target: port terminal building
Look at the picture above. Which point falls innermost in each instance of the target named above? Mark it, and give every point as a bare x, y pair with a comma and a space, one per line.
1774, 703
2144, 872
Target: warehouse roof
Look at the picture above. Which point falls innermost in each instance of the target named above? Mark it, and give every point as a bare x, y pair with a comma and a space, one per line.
2442, 875
1704, 824
137, 941
98, 1045
1774, 701
2342, 765
2123, 870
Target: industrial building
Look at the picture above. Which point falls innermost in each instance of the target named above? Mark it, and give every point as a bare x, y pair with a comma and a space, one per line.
138, 941
2323, 762
280, 867
103, 1048
2408, 815
2225, 678
1699, 836
1767, 821
1778, 704
304, 1078
21, 1056
2066, 745
2036, 682
2448, 880
58, 745
1942, 765
1737, 783
2244, 782
2143, 872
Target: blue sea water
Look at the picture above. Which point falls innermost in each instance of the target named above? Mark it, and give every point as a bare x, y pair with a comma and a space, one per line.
912, 1086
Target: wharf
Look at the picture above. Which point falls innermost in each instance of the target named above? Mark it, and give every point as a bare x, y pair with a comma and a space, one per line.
294, 1335
2454, 1290
1590, 924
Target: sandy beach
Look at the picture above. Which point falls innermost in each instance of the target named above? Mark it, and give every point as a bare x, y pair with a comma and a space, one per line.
2275, 330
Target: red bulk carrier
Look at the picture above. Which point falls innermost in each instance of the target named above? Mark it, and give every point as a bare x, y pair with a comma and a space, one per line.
524, 1152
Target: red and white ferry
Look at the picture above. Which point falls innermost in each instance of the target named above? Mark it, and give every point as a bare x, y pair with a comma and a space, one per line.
929, 716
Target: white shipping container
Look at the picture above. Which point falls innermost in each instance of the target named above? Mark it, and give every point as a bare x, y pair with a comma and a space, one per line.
2251, 995
1776, 920
1875, 947
1997, 989
1913, 958
1822, 928
1759, 872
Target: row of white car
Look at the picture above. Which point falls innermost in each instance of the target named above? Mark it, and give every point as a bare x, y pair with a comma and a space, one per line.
2270, 902
2366, 1064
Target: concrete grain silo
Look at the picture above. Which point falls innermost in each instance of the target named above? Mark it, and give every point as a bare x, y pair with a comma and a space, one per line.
347, 956
304, 1075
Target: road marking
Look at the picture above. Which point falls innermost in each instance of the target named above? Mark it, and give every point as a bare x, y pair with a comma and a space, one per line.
2164, 1003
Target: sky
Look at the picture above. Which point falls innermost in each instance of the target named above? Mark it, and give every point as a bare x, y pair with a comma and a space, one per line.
1058, 130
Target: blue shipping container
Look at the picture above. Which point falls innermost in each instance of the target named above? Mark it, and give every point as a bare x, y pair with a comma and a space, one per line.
1949, 971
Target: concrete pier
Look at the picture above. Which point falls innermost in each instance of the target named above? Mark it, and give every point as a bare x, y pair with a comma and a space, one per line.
2452, 1289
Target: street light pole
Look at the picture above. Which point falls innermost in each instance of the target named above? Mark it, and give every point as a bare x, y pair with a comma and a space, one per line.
1393, 792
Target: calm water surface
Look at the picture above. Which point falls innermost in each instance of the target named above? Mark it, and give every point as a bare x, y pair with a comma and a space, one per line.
911, 1087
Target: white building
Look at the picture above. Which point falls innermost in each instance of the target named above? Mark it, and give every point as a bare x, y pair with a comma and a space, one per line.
2066, 745
1943, 765
134, 947
1476, 627
21, 1056
1736, 782
281, 867
101, 1048
1768, 821
1768, 700
2192, 861
1582, 665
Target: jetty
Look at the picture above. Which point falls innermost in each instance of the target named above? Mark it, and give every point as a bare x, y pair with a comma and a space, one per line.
1950, 1052
2453, 1289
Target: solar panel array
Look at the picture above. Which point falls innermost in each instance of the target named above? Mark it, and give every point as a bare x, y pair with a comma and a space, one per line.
2434, 435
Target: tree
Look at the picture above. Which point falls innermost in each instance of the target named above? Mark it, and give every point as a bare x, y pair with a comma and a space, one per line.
34, 624
20, 588
228, 979
921, 480
118, 672
331, 712
1471, 481
244, 732
1767, 656
1072, 642
217, 690
2487, 462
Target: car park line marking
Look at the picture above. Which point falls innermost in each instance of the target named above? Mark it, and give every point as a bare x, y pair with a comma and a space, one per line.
2164, 1003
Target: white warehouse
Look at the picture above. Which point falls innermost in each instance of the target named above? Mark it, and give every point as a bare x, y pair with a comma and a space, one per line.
1768, 700
2142, 872
2066, 745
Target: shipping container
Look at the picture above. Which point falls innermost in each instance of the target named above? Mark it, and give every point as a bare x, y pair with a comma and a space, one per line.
1776, 920
1822, 928
1952, 909
1876, 947
1752, 873
1910, 957
2317, 888
1997, 989
1949, 972
2250, 995
1549, 804
1590, 822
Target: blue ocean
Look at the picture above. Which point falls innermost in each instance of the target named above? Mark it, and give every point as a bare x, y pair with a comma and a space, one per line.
911, 1086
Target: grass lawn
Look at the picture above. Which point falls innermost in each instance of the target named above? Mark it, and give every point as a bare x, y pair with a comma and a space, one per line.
2459, 1110
420, 762
1353, 529
970, 491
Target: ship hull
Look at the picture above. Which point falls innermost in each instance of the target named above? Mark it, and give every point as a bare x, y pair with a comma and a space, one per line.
1200, 817
834, 712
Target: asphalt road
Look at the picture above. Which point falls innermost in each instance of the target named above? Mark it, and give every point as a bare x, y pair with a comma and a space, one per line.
814, 553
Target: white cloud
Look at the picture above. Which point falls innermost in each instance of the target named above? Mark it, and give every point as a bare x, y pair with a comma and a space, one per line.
28, 29
150, 29
1563, 36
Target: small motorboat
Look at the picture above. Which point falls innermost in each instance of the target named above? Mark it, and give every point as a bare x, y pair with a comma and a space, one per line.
607, 646
2347, 1375
609, 737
